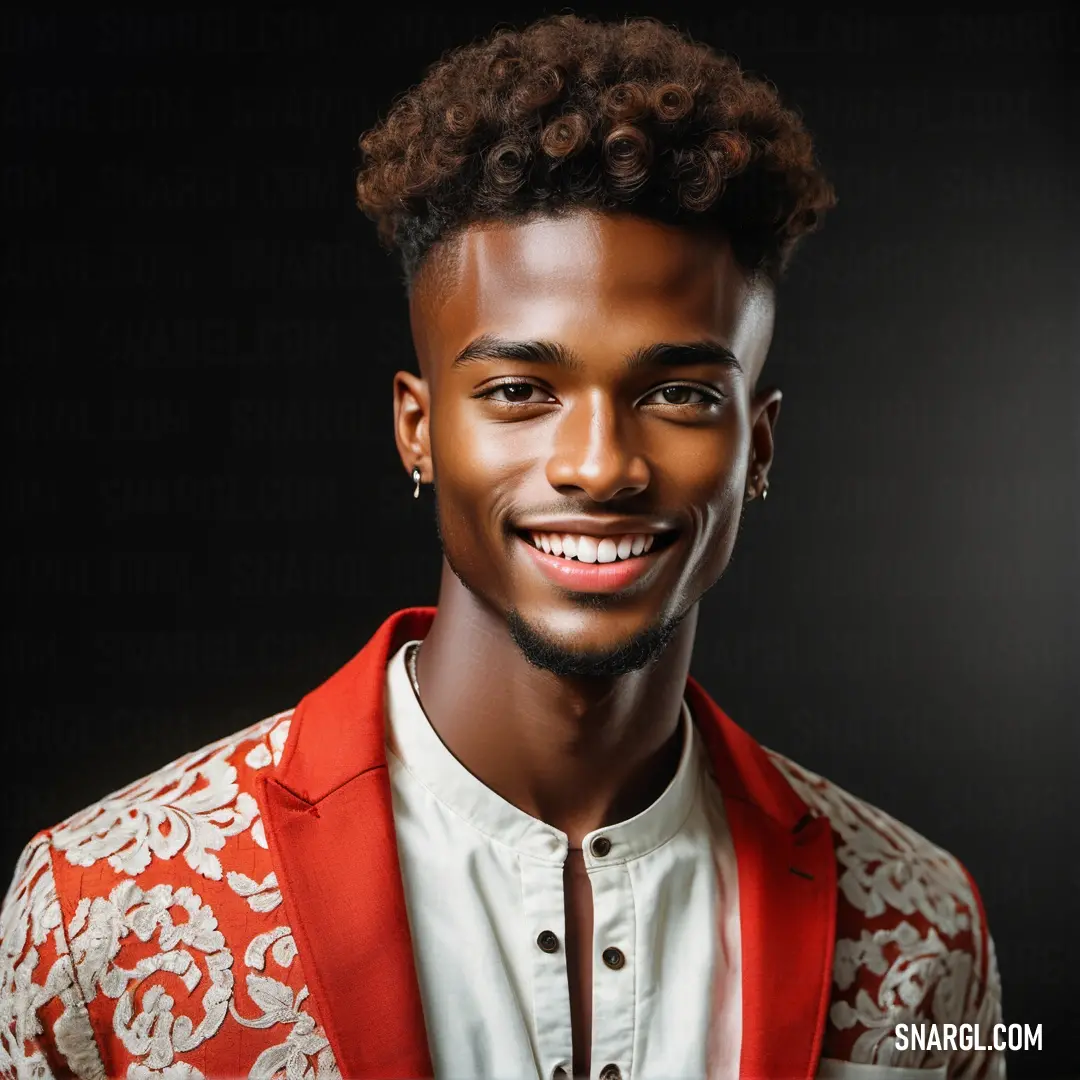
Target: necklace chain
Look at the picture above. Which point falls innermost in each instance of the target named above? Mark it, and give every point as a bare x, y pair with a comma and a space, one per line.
410, 664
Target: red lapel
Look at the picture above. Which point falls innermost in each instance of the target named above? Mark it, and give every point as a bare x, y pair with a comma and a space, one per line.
329, 824
787, 901
330, 828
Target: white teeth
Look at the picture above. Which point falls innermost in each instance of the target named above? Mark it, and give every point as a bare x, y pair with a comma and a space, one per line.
607, 550
593, 549
586, 549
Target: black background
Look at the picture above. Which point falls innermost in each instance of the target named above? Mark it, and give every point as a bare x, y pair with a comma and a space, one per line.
206, 514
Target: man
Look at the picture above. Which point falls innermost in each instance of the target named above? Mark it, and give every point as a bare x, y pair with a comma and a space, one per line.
512, 838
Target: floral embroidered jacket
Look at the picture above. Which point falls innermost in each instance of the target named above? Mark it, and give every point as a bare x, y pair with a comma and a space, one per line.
241, 913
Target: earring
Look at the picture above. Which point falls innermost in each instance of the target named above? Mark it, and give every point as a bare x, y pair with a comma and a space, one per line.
416, 480
750, 494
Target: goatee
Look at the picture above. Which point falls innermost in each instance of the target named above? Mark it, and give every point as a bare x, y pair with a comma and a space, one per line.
643, 649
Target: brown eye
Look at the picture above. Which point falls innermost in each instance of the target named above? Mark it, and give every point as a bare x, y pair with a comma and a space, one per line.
681, 395
517, 391
516, 394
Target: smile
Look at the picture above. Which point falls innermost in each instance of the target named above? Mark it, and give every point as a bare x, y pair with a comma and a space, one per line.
594, 563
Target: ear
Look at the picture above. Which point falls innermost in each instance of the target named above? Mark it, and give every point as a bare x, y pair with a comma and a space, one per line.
412, 423
764, 411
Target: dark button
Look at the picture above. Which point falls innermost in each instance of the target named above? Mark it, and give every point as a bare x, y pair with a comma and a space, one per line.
560, 1073
614, 959
548, 941
610, 1072
601, 846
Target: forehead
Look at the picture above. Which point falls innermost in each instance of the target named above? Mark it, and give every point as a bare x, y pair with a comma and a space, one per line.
600, 278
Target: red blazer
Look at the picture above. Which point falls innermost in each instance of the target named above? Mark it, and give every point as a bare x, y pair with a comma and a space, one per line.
241, 912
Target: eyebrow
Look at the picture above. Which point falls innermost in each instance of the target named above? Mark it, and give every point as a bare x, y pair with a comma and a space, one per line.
660, 354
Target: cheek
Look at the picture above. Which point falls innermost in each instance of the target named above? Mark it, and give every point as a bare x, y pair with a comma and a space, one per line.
722, 513
706, 469
710, 478
474, 473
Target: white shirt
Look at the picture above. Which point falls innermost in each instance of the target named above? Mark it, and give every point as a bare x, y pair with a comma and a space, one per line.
483, 880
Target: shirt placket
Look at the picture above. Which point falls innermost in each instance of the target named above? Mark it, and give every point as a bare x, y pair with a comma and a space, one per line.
544, 903
614, 970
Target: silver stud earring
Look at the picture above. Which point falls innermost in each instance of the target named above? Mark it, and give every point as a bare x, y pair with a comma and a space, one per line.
751, 494
416, 480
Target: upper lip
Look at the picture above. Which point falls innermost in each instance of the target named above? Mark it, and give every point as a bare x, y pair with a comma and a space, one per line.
598, 526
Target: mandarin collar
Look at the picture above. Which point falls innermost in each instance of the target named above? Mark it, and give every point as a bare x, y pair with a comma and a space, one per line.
412, 740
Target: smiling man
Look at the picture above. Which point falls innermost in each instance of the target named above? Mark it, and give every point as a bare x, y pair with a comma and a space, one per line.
512, 837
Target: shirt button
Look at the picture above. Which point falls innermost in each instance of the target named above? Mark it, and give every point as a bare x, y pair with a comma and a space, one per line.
601, 846
614, 959
559, 1073
610, 1072
548, 941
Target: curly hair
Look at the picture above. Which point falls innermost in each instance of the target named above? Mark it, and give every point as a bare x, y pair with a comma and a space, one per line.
572, 113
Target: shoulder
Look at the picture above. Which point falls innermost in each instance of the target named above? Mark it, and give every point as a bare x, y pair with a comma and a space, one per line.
883, 864
184, 814
167, 879
194, 822
912, 945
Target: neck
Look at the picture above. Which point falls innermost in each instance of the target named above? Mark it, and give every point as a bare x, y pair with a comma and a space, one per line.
577, 753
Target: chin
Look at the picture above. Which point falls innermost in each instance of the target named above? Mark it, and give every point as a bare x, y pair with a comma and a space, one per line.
571, 659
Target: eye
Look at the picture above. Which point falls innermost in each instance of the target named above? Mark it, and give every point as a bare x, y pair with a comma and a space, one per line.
516, 393
691, 396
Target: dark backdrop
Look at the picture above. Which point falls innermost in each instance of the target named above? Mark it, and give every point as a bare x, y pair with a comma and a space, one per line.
206, 511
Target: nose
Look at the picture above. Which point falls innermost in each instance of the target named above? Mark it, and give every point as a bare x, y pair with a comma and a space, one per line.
594, 453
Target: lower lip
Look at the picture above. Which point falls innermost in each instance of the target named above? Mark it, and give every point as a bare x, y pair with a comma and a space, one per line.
591, 577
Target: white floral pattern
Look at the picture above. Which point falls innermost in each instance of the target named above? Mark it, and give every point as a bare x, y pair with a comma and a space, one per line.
269, 752
149, 1029
290, 1058
279, 941
261, 896
193, 805
30, 913
889, 873
146, 962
